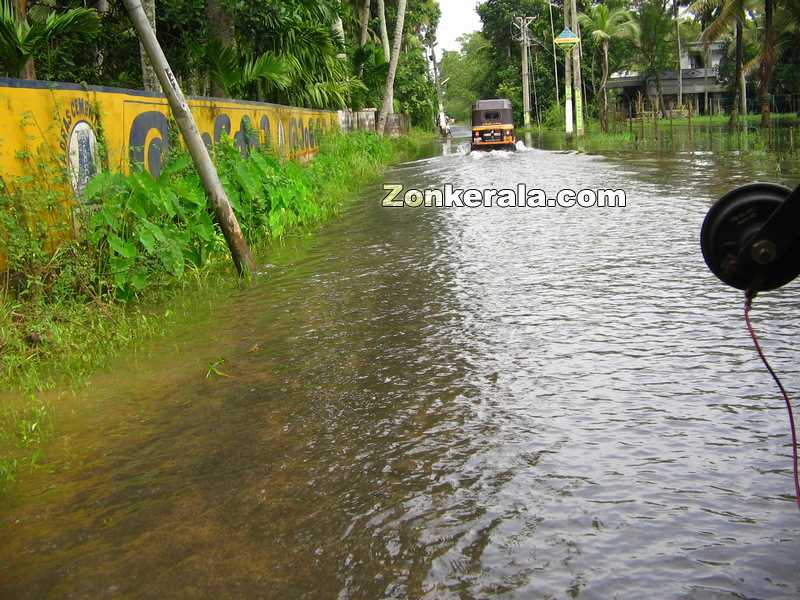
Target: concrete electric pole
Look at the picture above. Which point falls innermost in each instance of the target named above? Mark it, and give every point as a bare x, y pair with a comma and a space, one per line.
522, 25
226, 218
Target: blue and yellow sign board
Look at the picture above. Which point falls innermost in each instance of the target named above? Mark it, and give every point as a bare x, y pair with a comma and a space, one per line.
567, 40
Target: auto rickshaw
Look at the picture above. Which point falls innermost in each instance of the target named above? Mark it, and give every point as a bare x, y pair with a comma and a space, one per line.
493, 125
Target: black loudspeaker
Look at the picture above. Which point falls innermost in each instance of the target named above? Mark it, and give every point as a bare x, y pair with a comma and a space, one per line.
751, 237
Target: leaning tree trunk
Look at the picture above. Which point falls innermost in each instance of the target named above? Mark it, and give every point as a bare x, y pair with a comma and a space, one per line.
767, 62
734, 120
221, 27
149, 78
389, 88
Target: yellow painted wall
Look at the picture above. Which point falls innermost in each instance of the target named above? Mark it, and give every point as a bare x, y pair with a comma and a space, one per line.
43, 116
57, 126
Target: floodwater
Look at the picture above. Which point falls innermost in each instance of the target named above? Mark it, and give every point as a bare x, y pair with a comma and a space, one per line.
444, 403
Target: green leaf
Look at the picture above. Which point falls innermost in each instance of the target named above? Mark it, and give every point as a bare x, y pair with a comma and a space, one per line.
138, 279
121, 247
178, 164
146, 239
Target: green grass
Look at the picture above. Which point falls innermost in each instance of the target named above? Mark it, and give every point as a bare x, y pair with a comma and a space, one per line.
61, 319
781, 140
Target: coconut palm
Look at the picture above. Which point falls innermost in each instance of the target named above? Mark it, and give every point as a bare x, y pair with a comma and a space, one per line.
605, 25
706, 11
731, 14
304, 39
767, 61
22, 39
388, 92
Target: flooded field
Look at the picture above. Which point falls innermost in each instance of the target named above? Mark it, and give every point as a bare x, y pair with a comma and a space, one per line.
445, 403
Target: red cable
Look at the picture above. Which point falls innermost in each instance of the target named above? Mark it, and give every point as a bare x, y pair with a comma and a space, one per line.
747, 306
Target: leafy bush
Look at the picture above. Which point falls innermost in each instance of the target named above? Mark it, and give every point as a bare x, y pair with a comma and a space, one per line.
149, 230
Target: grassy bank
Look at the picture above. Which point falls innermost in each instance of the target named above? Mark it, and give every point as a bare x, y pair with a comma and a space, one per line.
147, 245
782, 139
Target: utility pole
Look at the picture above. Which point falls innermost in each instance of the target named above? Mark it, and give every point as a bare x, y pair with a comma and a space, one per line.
555, 59
680, 54
437, 81
533, 65
567, 71
576, 72
522, 24
191, 136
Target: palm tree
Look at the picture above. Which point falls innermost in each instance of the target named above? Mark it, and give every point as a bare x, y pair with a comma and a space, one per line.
149, 77
388, 91
731, 14
21, 40
654, 29
705, 10
767, 61
387, 51
384, 30
222, 31
305, 40
362, 40
238, 76
604, 25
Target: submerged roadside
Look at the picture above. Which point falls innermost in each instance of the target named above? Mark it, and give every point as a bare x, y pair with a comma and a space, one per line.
713, 133
150, 250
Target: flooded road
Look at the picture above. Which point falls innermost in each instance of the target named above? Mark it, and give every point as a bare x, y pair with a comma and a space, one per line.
445, 403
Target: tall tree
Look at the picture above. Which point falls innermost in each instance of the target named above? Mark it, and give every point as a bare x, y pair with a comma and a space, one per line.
149, 78
732, 14
767, 61
389, 88
222, 31
705, 11
364, 35
675, 4
604, 25
338, 32
654, 26
29, 70
387, 51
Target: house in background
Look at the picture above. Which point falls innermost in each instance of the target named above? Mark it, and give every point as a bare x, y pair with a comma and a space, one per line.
697, 80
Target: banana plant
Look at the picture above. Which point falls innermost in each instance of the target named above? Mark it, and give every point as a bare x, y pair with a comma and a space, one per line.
21, 38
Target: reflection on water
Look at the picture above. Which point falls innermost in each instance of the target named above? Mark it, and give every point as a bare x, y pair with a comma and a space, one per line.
445, 403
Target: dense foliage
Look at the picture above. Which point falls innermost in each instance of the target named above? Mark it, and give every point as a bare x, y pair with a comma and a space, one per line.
632, 35
285, 51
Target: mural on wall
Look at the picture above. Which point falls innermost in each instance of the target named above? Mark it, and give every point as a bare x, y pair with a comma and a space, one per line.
68, 125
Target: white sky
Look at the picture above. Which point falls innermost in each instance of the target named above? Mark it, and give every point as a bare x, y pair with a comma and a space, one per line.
458, 17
